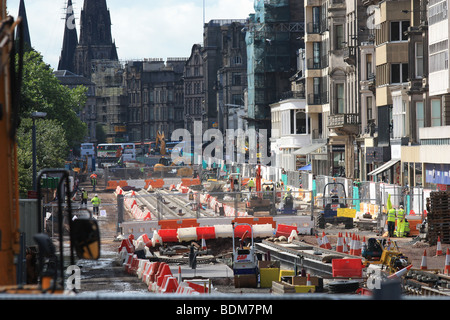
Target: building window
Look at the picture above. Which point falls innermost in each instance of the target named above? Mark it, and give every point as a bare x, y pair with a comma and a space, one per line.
316, 55
398, 29
236, 79
435, 113
339, 37
398, 116
369, 70
316, 88
420, 119
399, 72
236, 99
316, 19
369, 108
419, 60
300, 119
340, 99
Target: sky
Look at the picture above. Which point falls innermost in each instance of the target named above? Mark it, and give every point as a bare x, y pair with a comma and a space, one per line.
140, 28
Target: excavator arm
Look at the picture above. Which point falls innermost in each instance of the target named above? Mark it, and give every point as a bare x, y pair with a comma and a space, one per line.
9, 110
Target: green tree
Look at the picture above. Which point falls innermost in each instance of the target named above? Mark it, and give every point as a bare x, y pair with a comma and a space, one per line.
51, 149
60, 131
41, 91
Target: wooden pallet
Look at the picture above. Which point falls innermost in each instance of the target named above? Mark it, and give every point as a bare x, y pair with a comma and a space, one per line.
438, 217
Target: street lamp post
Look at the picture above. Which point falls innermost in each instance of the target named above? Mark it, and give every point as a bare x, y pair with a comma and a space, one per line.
34, 116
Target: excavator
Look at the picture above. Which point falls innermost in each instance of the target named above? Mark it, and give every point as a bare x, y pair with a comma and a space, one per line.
83, 233
165, 164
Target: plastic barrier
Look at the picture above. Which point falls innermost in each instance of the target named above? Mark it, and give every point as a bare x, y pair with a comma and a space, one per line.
143, 269
239, 231
262, 230
153, 271
155, 184
129, 262
134, 265
178, 223
163, 271
168, 235
112, 185
126, 243
201, 288
206, 233
256, 220
170, 284
140, 268
187, 234
284, 230
224, 231
347, 268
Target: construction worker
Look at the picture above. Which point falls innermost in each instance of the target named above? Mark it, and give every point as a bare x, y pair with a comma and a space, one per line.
251, 184
288, 199
407, 229
93, 181
400, 222
84, 197
391, 222
95, 204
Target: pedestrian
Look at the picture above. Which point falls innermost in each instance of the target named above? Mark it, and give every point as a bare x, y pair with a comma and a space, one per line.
391, 222
84, 197
95, 204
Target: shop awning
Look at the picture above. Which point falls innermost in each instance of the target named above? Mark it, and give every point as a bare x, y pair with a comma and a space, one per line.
306, 168
308, 149
383, 167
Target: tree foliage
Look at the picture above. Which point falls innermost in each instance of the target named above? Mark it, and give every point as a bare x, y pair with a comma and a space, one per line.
59, 131
41, 91
51, 149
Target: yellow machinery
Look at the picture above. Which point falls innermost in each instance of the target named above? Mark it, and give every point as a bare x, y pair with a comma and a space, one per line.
84, 234
380, 252
9, 210
164, 164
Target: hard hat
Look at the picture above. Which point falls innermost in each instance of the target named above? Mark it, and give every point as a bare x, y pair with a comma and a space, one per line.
96, 195
401, 206
82, 189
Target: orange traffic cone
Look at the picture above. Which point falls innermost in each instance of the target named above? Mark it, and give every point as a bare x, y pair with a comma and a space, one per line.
352, 245
203, 244
348, 239
339, 244
423, 265
179, 274
400, 273
326, 243
358, 246
447, 262
439, 247
345, 247
319, 241
308, 279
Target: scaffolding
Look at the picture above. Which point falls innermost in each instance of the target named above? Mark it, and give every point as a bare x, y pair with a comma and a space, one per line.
270, 55
111, 95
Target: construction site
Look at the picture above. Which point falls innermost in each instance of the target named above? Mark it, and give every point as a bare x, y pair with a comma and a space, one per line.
164, 229
211, 235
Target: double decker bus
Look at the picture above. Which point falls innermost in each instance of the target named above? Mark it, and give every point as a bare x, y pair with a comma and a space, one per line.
87, 149
113, 151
